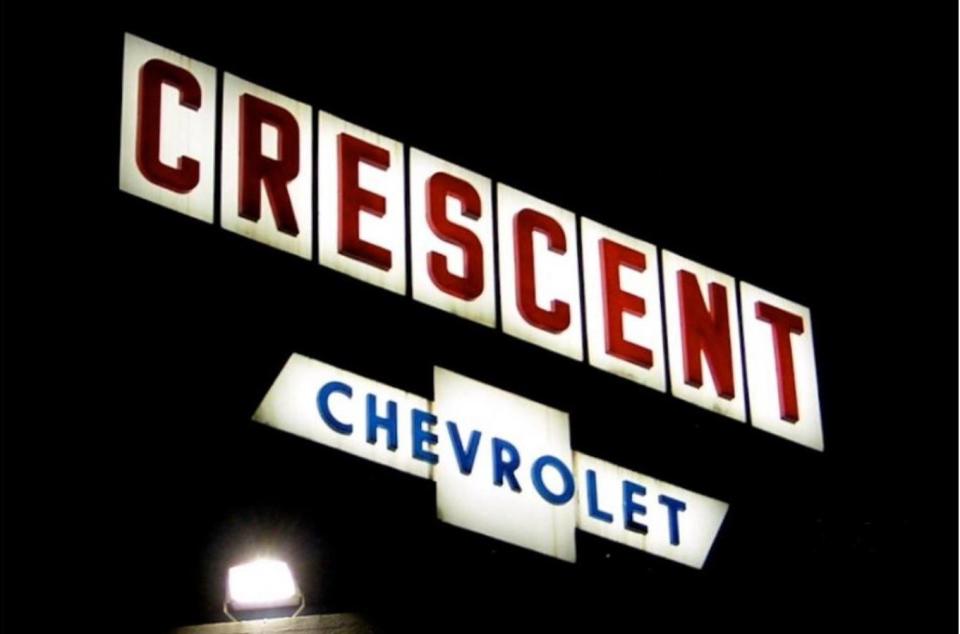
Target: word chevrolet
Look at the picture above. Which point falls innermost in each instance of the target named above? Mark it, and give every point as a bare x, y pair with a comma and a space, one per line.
502, 464
169, 126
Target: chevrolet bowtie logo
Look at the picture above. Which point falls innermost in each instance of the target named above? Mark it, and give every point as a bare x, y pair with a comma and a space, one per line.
503, 464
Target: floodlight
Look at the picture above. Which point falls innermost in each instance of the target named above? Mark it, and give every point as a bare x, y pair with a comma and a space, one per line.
262, 584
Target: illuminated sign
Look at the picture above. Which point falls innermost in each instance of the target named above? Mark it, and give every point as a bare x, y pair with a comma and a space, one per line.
502, 464
168, 132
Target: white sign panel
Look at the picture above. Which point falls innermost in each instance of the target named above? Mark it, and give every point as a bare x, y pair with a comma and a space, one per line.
451, 238
360, 224
702, 336
621, 278
361, 215
267, 167
539, 272
345, 411
502, 463
167, 128
781, 368
645, 513
497, 496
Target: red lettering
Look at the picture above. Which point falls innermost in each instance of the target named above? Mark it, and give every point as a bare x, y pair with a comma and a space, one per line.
705, 331
351, 151
439, 187
616, 301
783, 324
557, 319
153, 75
255, 168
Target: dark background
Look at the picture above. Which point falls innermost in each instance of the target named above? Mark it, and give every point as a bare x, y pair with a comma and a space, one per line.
812, 154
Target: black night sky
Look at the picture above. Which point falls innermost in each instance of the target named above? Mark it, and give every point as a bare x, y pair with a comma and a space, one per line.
813, 155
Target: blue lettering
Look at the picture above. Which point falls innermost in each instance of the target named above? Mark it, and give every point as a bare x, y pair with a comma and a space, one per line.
505, 468
465, 459
388, 422
563, 470
630, 507
593, 504
323, 404
421, 435
674, 507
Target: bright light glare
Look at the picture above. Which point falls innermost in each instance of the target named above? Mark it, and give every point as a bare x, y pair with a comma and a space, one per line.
263, 583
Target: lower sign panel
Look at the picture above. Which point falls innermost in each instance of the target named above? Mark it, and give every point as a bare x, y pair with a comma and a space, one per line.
502, 463
640, 511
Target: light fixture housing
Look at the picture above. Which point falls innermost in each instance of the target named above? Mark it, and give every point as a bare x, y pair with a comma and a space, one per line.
261, 584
